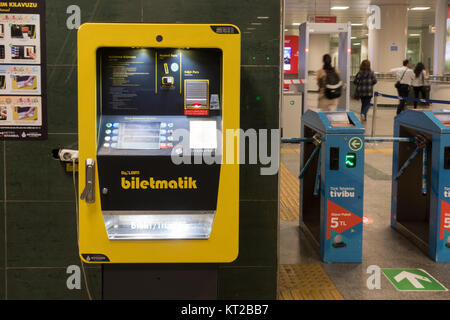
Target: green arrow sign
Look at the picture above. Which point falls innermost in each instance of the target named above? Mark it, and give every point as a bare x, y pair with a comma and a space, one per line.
355, 144
412, 280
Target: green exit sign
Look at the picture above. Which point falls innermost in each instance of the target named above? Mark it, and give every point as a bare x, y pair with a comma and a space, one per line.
350, 160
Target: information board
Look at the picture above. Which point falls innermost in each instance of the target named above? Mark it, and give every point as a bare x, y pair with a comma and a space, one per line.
23, 113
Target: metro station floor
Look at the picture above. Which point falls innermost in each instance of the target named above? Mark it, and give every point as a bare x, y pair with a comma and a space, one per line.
300, 262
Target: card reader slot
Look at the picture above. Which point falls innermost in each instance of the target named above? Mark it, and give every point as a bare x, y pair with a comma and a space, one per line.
334, 158
447, 158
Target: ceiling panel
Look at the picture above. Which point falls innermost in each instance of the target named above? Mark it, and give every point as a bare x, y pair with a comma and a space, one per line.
299, 10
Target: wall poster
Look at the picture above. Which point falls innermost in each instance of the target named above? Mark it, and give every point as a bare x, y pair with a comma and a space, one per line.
23, 112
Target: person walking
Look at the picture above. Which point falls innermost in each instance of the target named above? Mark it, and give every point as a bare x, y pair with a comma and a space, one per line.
364, 81
329, 84
404, 76
418, 82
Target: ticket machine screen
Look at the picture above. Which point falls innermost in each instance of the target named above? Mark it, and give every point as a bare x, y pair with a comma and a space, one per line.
154, 103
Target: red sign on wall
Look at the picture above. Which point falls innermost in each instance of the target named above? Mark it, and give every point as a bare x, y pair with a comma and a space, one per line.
290, 54
325, 19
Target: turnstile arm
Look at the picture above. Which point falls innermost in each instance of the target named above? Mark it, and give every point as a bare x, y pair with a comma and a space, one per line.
407, 163
308, 163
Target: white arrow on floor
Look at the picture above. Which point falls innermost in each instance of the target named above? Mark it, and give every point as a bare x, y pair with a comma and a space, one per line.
413, 278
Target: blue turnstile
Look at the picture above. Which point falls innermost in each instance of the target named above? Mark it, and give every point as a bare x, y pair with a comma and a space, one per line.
421, 181
331, 198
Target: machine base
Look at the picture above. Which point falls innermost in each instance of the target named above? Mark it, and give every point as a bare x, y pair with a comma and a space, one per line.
159, 281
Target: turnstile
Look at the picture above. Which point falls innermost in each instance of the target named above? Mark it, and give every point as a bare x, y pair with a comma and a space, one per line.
331, 198
421, 181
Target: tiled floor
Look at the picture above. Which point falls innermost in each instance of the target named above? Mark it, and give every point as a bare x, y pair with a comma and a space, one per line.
382, 245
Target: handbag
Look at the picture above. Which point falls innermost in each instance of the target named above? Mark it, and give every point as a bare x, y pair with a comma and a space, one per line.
398, 84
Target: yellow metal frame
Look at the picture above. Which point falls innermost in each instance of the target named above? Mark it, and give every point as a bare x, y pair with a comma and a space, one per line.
223, 244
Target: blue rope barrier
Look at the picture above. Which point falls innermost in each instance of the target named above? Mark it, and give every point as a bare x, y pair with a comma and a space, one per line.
407, 163
295, 140
317, 183
377, 94
308, 163
424, 170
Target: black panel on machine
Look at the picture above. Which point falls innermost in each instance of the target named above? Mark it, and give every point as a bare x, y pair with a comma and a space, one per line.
145, 95
158, 184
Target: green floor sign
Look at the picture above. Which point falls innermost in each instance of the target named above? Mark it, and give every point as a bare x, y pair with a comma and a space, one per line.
412, 280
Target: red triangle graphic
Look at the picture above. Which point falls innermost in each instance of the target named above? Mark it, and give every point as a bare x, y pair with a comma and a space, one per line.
340, 219
445, 218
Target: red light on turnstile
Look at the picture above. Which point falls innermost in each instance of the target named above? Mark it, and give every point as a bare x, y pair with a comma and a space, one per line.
307, 50
349, 50
196, 105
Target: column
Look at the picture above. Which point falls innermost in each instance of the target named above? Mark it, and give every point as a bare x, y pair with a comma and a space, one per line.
440, 36
387, 45
440, 91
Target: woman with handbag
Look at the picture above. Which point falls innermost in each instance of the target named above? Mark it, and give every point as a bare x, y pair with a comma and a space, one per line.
364, 81
418, 82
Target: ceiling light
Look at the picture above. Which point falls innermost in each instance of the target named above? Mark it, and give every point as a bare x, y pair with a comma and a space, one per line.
353, 38
339, 8
357, 43
256, 23
296, 24
286, 30
251, 28
420, 8
261, 18
357, 24
414, 34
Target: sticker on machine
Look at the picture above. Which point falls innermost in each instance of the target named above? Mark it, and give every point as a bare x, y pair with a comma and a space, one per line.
445, 222
95, 257
340, 219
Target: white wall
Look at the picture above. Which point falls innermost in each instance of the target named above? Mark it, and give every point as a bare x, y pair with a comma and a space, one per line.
364, 49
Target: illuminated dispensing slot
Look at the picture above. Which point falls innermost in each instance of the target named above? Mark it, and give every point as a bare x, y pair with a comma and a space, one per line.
153, 226
196, 94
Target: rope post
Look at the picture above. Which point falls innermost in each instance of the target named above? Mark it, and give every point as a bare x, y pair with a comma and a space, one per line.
374, 113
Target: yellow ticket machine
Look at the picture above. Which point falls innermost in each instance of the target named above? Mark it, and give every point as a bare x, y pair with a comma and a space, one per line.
155, 103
